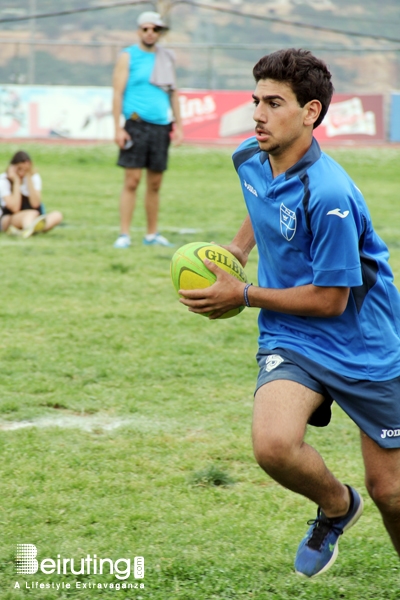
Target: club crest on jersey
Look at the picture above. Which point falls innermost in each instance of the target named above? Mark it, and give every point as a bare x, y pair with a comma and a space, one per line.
288, 223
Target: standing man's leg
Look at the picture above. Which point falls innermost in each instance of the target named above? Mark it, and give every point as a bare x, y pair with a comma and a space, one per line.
152, 203
127, 205
128, 198
159, 139
282, 409
152, 199
382, 479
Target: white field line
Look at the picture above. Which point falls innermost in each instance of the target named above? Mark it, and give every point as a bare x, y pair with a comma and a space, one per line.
88, 423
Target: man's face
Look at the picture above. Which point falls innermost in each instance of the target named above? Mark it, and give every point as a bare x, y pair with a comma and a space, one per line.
278, 116
149, 34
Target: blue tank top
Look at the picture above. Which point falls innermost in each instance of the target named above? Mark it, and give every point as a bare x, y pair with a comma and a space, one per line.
150, 102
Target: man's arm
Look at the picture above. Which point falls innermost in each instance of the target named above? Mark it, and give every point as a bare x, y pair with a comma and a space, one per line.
176, 111
120, 78
243, 242
305, 301
228, 292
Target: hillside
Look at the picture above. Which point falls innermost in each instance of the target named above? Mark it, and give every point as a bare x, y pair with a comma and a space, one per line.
214, 49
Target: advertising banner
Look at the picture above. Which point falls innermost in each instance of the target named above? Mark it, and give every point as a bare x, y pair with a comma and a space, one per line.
208, 116
227, 116
56, 112
353, 117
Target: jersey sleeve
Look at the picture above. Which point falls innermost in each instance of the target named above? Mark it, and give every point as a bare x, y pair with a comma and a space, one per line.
245, 151
337, 224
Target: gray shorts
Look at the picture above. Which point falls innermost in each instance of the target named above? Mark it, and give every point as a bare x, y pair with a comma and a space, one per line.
373, 405
150, 146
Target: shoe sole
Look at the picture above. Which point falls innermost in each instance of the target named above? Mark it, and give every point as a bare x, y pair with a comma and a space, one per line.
158, 244
334, 556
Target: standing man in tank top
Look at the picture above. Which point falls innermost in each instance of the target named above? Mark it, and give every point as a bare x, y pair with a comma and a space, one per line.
145, 93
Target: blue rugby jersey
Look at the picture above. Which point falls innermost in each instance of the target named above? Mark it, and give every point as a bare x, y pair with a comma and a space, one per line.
312, 225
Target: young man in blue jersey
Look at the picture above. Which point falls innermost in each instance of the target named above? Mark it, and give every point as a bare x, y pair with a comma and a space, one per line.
330, 313
144, 91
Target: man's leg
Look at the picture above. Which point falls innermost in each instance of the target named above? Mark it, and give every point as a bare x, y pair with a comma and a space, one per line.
128, 198
382, 479
281, 411
152, 199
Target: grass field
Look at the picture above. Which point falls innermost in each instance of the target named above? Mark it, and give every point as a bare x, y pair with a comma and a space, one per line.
135, 411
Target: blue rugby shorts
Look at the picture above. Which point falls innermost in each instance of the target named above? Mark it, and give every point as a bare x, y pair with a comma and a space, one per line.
373, 405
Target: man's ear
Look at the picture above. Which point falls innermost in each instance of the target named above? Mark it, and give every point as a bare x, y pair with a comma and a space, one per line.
312, 111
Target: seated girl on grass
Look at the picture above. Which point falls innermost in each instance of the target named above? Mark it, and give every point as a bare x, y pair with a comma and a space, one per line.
21, 209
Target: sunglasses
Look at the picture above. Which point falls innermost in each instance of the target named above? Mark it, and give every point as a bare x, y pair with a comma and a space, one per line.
156, 29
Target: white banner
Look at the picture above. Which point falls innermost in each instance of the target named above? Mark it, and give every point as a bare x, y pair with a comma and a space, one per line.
56, 111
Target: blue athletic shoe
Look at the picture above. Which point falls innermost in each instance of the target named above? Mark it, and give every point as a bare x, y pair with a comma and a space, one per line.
319, 549
157, 240
123, 241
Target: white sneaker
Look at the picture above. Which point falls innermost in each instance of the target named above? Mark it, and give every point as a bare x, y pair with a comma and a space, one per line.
35, 227
157, 240
123, 241
14, 231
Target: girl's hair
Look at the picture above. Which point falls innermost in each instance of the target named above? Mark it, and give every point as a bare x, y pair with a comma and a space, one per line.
20, 157
308, 77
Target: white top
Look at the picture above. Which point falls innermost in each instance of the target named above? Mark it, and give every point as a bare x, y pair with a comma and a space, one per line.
5, 186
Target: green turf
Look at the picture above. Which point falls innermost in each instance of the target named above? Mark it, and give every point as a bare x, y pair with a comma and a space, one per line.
142, 439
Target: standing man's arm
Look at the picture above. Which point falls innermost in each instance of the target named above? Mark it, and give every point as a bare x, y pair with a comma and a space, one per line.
120, 78
176, 110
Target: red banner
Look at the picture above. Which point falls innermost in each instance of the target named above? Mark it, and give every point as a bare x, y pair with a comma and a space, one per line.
353, 117
227, 117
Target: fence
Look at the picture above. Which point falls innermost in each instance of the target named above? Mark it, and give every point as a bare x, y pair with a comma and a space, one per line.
23, 60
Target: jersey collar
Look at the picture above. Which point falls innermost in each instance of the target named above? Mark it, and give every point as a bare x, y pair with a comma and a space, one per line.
310, 157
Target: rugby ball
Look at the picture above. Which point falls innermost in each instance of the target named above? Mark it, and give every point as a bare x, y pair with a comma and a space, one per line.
188, 272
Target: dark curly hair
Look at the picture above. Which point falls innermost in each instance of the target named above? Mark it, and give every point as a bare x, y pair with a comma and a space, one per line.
308, 77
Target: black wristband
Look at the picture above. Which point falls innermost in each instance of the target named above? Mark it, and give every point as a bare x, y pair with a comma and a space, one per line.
246, 294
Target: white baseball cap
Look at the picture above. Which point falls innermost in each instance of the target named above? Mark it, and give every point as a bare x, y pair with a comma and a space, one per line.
151, 17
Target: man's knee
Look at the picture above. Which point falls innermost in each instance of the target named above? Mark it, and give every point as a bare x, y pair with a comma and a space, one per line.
154, 186
273, 452
154, 180
385, 492
132, 181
